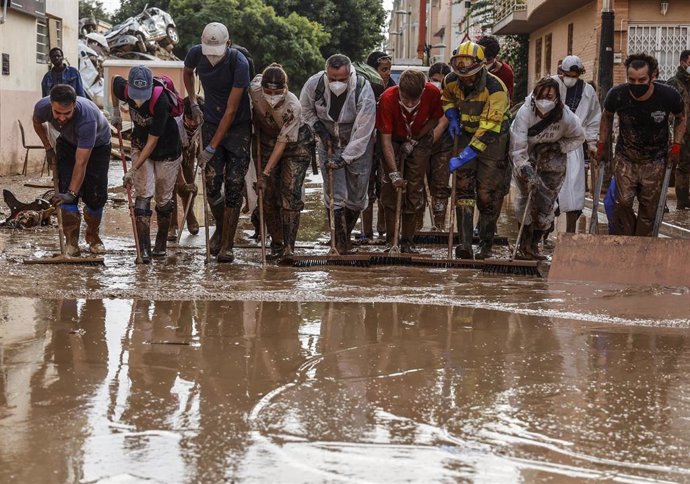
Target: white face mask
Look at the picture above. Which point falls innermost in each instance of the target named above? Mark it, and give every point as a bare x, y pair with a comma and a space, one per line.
687, 69
215, 59
569, 81
139, 102
337, 87
545, 105
437, 84
273, 101
410, 109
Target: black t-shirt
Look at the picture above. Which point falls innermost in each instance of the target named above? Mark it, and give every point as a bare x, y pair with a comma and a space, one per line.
643, 125
161, 124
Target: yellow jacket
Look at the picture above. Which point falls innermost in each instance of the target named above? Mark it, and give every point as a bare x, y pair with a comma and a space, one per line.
482, 110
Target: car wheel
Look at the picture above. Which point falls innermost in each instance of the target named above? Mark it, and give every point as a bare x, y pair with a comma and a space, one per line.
172, 34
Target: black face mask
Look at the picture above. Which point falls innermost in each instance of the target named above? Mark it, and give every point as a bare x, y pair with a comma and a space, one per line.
638, 90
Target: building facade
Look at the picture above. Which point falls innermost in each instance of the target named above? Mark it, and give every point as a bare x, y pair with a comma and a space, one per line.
558, 28
29, 29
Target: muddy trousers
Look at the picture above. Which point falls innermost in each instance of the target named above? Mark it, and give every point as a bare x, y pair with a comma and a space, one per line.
283, 198
683, 177
641, 180
437, 176
350, 187
550, 176
93, 191
224, 178
414, 169
483, 180
374, 195
187, 171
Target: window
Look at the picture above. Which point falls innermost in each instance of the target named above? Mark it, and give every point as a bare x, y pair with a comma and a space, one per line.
547, 53
537, 60
42, 42
665, 42
48, 35
570, 39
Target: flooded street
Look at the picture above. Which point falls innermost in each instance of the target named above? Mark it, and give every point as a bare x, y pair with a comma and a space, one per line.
213, 391
186, 372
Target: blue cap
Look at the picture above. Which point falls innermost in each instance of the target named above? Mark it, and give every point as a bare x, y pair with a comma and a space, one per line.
140, 83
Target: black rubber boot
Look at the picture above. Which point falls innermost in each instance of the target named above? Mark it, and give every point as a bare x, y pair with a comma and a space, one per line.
571, 221
290, 219
536, 238
368, 222
407, 231
163, 218
71, 223
351, 217
231, 217
192, 222
389, 217
341, 234
465, 216
487, 228
143, 223
274, 225
682, 191
218, 214
380, 220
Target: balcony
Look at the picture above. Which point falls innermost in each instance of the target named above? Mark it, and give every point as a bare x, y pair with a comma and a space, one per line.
526, 16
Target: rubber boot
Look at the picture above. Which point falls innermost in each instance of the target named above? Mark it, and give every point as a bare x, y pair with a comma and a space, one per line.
174, 227
487, 228
381, 220
682, 191
571, 221
290, 219
341, 237
368, 222
192, 222
143, 223
274, 226
524, 251
439, 208
408, 229
465, 216
351, 217
215, 240
536, 238
93, 224
231, 216
164, 218
71, 222
389, 217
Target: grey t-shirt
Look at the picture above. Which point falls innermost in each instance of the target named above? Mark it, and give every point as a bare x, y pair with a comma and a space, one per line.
88, 128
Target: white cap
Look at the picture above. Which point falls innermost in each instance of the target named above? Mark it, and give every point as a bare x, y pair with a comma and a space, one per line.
214, 39
570, 62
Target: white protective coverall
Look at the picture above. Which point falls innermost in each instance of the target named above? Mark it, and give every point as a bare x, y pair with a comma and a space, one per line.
572, 195
569, 135
352, 137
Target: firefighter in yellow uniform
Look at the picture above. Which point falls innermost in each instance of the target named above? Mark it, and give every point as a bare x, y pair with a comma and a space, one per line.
476, 104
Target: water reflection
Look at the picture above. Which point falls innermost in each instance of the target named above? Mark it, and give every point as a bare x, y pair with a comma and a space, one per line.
185, 391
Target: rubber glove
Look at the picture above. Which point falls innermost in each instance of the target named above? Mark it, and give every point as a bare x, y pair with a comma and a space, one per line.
467, 155
454, 126
205, 156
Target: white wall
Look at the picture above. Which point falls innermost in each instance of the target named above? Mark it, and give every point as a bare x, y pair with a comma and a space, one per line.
22, 88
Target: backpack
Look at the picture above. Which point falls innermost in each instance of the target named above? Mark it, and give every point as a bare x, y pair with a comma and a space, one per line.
163, 84
364, 73
233, 59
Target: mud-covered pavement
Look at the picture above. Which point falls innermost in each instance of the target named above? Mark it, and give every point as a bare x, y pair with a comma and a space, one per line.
186, 372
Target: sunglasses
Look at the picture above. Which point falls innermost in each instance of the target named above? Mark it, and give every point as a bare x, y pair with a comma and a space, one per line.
385, 58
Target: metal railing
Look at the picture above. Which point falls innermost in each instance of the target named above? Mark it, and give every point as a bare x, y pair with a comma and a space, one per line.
504, 8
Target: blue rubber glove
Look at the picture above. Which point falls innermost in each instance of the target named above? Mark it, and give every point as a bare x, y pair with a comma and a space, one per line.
467, 155
454, 126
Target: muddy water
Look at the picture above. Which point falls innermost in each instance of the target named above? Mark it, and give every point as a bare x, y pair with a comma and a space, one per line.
212, 391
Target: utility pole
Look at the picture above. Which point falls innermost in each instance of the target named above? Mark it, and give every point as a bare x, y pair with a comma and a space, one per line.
421, 42
605, 82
